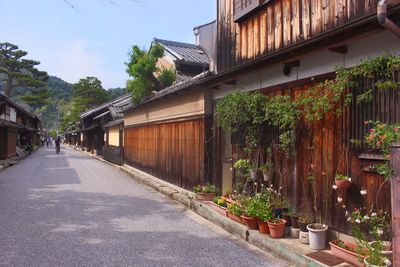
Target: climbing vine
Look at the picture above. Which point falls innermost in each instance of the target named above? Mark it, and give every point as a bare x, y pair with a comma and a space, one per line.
288, 113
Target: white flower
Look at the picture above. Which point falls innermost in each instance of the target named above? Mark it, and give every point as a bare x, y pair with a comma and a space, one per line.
280, 187
255, 183
386, 260
357, 221
349, 179
271, 185
366, 217
373, 214
379, 232
348, 219
344, 206
346, 213
334, 187
339, 199
363, 192
262, 185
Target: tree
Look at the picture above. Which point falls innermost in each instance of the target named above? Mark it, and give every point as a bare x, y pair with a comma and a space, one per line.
88, 93
17, 72
146, 75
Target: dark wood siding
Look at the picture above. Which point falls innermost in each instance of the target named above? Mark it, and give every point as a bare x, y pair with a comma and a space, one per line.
280, 24
172, 151
330, 153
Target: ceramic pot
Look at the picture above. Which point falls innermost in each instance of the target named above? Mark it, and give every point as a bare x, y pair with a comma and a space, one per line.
317, 235
205, 196
303, 237
294, 232
343, 185
253, 173
277, 228
266, 176
293, 220
302, 226
367, 264
347, 255
251, 222
263, 227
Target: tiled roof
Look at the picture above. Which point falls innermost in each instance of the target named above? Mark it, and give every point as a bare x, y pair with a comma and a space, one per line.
172, 89
106, 105
183, 51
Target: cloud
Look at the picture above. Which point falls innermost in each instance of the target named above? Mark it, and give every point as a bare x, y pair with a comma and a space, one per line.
77, 61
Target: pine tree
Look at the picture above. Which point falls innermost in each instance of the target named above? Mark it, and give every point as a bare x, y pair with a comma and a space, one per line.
18, 72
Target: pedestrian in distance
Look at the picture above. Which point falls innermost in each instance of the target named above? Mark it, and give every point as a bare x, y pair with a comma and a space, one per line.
58, 142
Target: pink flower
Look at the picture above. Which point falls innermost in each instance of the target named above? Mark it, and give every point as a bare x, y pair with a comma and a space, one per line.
378, 143
396, 129
372, 131
366, 122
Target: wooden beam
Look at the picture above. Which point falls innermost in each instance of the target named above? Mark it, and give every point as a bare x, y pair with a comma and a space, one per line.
339, 49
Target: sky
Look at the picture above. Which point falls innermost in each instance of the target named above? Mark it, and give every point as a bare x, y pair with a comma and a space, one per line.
93, 38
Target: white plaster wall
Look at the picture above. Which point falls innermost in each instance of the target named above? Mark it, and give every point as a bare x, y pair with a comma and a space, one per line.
13, 115
316, 63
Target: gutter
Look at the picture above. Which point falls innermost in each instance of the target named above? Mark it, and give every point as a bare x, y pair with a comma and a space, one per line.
384, 20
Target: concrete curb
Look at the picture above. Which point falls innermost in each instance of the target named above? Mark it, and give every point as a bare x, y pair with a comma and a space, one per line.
286, 248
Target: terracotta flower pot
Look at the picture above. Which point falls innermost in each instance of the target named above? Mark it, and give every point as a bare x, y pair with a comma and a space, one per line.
221, 210
343, 184
251, 222
263, 227
234, 217
277, 228
347, 255
205, 196
286, 217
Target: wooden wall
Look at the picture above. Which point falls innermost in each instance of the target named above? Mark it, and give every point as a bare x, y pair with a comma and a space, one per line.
325, 151
174, 152
280, 24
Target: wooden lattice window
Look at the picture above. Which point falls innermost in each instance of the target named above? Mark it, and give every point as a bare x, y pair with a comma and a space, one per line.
241, 8
384, 107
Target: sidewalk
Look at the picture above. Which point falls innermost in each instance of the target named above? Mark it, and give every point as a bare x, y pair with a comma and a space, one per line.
287, 248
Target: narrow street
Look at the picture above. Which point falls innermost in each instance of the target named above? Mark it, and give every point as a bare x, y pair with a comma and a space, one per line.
72, 210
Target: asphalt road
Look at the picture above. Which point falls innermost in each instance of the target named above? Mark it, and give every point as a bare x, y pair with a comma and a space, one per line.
73, 210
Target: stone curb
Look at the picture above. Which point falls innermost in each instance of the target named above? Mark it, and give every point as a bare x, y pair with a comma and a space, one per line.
287, 248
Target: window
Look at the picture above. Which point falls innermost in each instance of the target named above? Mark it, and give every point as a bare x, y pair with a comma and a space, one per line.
241, 8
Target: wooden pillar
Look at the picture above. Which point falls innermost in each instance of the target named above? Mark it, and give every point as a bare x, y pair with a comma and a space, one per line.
395, 188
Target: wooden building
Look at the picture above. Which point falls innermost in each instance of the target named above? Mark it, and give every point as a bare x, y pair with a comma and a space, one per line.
285, 47
167, 136
18, 127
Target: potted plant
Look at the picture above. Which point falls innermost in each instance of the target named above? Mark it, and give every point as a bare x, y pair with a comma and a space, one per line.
303, 221
245, 168
219, 205
264, 211
317, 235
250, 212
204, 192
347, 251
371, 224
266, 171
277, 227
234, 212
343, 182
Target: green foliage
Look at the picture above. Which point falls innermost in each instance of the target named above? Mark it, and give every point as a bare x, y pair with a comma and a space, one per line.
341, 177
204, 189
235, 209
88, 93
114, 93
17, 72
166, 77
144, 72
